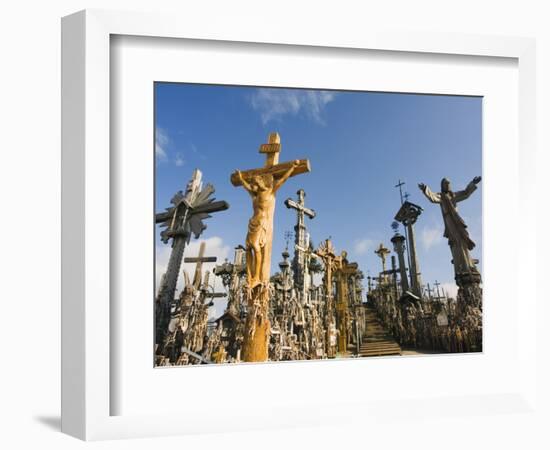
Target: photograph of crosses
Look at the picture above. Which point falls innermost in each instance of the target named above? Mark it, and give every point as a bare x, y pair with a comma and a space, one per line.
303, 224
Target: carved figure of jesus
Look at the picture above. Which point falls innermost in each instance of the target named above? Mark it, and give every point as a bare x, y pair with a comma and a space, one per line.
262, 188
455, 228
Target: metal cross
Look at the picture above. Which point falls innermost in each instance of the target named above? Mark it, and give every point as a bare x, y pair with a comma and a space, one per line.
300, 238
398, 185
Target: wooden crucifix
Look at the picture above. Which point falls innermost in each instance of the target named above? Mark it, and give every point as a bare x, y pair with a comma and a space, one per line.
262, 184
382, 253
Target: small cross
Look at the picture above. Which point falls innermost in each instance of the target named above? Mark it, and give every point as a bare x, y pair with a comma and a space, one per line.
437, 284
398, 185
382, 252
199, 260
429, 290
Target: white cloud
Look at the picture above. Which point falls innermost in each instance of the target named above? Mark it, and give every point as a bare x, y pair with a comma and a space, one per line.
273, 104
161, 142
179, 161
318, 279
362, 246
431, 236
214, 247
450, 288
164, 147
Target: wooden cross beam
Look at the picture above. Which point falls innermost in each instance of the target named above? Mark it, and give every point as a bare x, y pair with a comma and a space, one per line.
272, 166
214, 295
382, 251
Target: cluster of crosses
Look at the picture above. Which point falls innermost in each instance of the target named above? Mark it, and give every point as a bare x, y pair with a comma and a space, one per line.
417, 315
301, 320
286, 316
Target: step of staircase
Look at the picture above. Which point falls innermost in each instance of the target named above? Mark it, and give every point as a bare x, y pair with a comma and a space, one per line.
377, 341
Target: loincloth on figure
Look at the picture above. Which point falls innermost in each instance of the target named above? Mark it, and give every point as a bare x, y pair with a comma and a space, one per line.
257, 233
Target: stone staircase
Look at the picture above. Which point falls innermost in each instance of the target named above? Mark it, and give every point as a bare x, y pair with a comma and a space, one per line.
377, 341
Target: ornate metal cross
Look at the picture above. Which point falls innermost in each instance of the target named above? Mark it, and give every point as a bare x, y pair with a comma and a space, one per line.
300, 238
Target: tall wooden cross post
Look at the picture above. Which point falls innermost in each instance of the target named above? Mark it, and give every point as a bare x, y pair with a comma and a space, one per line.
231, 274
262, 185
343, 270
327, 253
300, 239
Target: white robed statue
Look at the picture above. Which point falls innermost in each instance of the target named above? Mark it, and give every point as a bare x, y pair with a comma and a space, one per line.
456, 230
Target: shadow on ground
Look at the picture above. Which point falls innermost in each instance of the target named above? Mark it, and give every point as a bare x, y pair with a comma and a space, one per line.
51, 422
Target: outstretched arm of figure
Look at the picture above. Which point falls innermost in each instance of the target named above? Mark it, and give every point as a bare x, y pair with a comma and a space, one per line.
245, 183
285, 176
472, 186
431, 196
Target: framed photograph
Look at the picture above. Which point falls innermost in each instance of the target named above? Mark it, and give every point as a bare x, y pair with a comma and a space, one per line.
245, 208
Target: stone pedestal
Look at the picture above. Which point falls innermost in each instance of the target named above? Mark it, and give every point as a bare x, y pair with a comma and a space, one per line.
469, 309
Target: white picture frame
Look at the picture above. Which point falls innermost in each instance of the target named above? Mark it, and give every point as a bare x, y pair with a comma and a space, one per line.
87, 383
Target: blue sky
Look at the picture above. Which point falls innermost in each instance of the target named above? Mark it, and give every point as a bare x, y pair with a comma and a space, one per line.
359, 145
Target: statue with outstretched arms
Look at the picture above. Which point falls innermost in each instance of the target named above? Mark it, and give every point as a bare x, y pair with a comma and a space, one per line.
456, 230
262, 188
